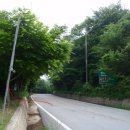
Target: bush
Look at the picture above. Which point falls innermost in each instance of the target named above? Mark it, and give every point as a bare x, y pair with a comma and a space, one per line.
24, 92
87, 87
124, 87
120, 90
82, 89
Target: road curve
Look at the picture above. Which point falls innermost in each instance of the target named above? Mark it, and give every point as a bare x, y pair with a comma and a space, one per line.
78, 115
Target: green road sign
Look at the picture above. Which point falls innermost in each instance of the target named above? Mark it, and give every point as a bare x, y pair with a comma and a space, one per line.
104, 78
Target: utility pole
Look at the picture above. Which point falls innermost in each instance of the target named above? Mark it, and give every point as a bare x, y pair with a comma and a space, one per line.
86, 56
86, 53
11, 66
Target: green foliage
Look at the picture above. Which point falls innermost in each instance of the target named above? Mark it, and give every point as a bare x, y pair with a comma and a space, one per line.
39, 50
24, 92
42, 86
87, 87
46, 128
108, 36
82, 89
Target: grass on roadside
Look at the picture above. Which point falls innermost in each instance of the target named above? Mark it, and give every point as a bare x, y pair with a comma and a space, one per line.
9, 112
46, 129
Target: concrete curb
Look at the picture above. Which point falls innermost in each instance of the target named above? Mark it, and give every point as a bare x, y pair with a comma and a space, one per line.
18, 120
49, 120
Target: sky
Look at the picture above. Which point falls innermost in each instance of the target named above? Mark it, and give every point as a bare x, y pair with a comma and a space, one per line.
61, 12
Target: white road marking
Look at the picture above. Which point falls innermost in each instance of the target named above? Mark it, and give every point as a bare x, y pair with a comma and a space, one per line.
58, 121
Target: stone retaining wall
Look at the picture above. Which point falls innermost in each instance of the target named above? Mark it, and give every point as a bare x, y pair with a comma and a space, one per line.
98, 100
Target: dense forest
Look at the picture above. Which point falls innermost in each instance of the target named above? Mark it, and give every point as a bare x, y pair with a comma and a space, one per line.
108, 39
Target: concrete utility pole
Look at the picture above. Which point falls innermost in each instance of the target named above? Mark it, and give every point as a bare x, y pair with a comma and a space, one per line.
86, 56
11, 66
86, 53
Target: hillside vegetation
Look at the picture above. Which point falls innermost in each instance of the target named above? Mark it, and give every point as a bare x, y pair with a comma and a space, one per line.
38, 50
108, 39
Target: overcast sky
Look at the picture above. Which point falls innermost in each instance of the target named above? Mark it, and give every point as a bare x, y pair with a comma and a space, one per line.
61, 12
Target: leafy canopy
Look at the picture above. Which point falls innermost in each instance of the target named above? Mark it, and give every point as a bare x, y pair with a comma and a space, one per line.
38, 48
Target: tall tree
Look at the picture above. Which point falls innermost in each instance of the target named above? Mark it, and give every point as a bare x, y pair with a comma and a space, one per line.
38, 48
108, 47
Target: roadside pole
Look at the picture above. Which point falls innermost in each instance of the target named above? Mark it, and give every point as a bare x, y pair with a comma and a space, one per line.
86, 56
86, 52
11, 66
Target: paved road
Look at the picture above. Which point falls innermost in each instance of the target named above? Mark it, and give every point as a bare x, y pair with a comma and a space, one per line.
84, 116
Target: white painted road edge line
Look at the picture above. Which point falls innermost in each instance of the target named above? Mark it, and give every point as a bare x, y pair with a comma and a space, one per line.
58, 121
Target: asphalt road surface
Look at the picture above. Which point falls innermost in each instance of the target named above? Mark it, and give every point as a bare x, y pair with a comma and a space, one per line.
79, 115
